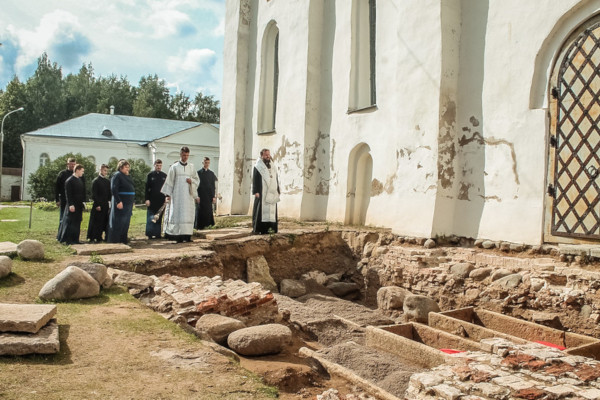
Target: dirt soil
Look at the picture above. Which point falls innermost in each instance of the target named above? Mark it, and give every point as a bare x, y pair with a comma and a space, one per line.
383, 369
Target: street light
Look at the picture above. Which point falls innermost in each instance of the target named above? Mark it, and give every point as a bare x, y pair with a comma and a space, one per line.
2, 143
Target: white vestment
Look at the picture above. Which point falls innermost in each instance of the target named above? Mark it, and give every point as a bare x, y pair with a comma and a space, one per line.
270, 194
181, 211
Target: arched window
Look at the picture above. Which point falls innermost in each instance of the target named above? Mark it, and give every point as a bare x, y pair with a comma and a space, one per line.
362, 69
44, 159
269, 79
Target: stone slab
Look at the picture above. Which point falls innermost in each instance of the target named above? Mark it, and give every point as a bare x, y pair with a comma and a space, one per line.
45, 341
28, 318
575, 249
101, 248
8, 249
223, 234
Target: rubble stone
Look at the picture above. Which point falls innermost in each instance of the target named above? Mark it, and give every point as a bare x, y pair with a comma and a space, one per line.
5, 266
30, 249
391, 297
260, 340
257, 270
292, 288
418, 307
72, 283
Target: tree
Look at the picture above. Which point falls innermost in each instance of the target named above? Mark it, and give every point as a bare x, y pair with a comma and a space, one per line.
138, 172
116, 92
181, 106
42, 182
45, 94
13, 98
205, 109
81, 91
153, 99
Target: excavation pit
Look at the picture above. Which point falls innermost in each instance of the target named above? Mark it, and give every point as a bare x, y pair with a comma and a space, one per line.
477, 324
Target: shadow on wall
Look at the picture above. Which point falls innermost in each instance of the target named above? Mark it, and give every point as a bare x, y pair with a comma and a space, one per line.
461, 143
360, 174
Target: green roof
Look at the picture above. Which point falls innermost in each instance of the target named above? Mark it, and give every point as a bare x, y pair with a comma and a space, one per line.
116, 127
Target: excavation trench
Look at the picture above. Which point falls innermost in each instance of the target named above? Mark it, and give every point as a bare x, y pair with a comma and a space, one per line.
346, 336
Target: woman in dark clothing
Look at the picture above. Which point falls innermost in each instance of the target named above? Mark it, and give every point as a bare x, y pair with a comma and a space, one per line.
123, 196
99, 212
75, 198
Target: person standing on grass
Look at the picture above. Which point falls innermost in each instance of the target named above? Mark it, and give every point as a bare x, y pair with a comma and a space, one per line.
180, 189
154, 200
206, 194
59, 192
101, 207
74, 199
123, 197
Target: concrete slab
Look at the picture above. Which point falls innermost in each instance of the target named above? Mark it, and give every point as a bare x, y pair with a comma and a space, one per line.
101, 248
45, 341
28, 318
8, 249
575, 249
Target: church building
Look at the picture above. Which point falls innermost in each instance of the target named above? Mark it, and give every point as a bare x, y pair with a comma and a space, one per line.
476, 118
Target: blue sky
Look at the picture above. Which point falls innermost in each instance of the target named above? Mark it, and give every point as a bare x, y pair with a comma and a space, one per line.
179, 40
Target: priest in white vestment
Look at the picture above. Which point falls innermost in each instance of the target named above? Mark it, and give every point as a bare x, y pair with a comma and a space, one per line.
180, 189
265, 188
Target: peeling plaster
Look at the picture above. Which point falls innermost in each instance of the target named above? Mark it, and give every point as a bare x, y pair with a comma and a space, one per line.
488, 198
446, 145
376, 188
463, 191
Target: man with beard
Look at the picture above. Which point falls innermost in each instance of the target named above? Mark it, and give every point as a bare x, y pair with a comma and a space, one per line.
265, 188
100, 209
154, 200
180, 190
74, 204
206, 193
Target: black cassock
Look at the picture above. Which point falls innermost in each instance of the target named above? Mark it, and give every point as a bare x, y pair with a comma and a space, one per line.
71, 223
206, 192
258, 226
99, 219
154, 182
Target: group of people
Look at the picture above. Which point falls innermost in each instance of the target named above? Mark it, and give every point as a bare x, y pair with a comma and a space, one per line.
174, 195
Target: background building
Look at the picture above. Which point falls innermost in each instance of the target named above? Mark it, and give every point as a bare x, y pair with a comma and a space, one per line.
101, 137
476, 118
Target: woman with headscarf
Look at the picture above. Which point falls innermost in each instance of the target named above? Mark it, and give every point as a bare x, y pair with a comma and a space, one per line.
123, 197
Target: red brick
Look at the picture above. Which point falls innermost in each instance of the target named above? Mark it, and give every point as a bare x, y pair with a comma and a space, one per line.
462, 372
530, 394
536, 365
559, 368
480, 376
588, 373
516, 360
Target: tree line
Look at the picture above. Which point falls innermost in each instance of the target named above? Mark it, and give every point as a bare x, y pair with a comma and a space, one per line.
50, 98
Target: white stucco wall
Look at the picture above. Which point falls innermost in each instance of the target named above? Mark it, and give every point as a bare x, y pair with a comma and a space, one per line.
458, 139
8, 181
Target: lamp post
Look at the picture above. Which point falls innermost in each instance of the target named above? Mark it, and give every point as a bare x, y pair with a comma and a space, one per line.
2, 143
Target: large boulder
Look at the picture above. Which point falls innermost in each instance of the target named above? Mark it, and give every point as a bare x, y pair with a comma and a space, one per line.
462, 270
292, 288
391, 297
417, 308
5, 266
258, 271
72, 283
260, 340
509, 282
96, 270
218, 327
30, 249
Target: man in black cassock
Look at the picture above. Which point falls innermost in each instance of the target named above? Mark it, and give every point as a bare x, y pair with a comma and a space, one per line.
74, 204
100, 209
154, 200
206, 193
265, 188
59, 192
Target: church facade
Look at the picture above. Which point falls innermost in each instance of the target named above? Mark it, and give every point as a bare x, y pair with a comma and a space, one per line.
475, 118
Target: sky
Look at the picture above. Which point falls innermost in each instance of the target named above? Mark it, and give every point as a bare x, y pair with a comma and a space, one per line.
181, 41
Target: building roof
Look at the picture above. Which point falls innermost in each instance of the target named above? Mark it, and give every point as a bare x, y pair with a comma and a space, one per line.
116, 127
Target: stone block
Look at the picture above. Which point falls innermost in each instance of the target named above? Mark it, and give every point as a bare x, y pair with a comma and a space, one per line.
101, 248
28, 318
5, 266
257, 270
45, 341
8, 249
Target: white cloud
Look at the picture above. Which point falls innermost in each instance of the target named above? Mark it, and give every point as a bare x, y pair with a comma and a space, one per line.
58, 28
170, 23
195, 60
